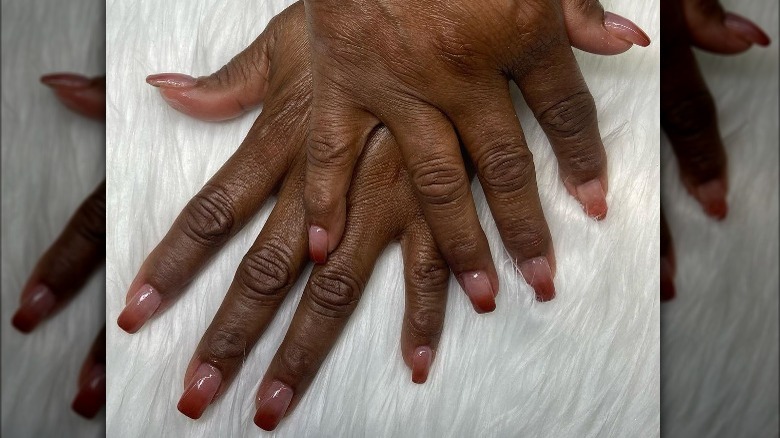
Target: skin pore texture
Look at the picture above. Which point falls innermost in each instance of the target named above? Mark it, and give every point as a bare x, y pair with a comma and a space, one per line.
275, 71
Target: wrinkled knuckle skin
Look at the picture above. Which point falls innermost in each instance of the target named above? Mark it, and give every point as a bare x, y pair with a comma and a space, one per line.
439, 183
430, 277
457, 50
571, 117
327, 151
267, 274
426, 323
92, 219
225, 344
688, 117
507, 167
528, 236
318, 201
584, 161
334, 292
297, 362
209, 217
460, 247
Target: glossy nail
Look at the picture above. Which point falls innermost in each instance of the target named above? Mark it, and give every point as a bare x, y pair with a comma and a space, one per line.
421, 364
712, 197
37, 306
593, 199
667, 280
538, 275
171, 80
625, 29
92, 394
139, 309
272, 405
318, 244
200, 392
746, 29
480, 292
66, 80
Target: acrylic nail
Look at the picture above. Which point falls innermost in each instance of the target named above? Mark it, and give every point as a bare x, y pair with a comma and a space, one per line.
66, 81
538, 275
421, 364
746, 29
272, 405
171, 80
593, 199
92, 394
625, 29
200, 392
668, 290
34, 309
139, 309
479, 290
318, 244
712, 196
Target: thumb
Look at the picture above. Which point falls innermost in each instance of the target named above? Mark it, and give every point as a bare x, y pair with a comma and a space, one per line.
234, 89
712, 28
593, 30
83, 95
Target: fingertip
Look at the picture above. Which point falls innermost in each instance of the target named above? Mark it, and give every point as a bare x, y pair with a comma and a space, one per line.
746, 29
625, 29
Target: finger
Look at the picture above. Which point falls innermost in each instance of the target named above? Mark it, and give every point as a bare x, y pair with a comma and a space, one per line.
668, 265
66, 265
221, 208
328, 301
559, 98
689, 118
593, 30
234, 89
430, 149
92, 380
495, 141
427, 275
336, 138
712, 28
86, 96
264, 277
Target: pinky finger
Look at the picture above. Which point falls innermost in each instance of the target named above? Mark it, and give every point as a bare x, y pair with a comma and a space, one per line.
427, 275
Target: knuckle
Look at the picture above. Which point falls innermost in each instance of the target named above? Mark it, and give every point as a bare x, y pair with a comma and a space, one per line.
91, 223
690, 116
327, 151
297, 361
528, 236
334, 292
224, 344
461, 247
507, 166
265, 275
426, 323
209, 217
584, 160
570, 117
455, 48
439, 182
430, 276
319, 202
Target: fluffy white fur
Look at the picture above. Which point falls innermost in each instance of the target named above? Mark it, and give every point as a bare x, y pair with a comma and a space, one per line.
52, 159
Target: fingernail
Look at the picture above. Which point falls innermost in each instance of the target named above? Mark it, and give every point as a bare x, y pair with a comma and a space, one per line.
746, 29
201, 391
480, 292
712, 196
34, 309
593, 199
66, 80
171, 80
421, 363
667, 280
92, 394
318, 244
538, 275
625, 29
273, 405
139, 309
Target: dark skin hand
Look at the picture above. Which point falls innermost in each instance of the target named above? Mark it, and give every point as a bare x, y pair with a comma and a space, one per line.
688, 113
79, 250
275, 71
436, 73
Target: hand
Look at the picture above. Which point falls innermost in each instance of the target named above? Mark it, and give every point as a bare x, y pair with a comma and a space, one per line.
79, 250
436, 74
688, 114
275, 70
